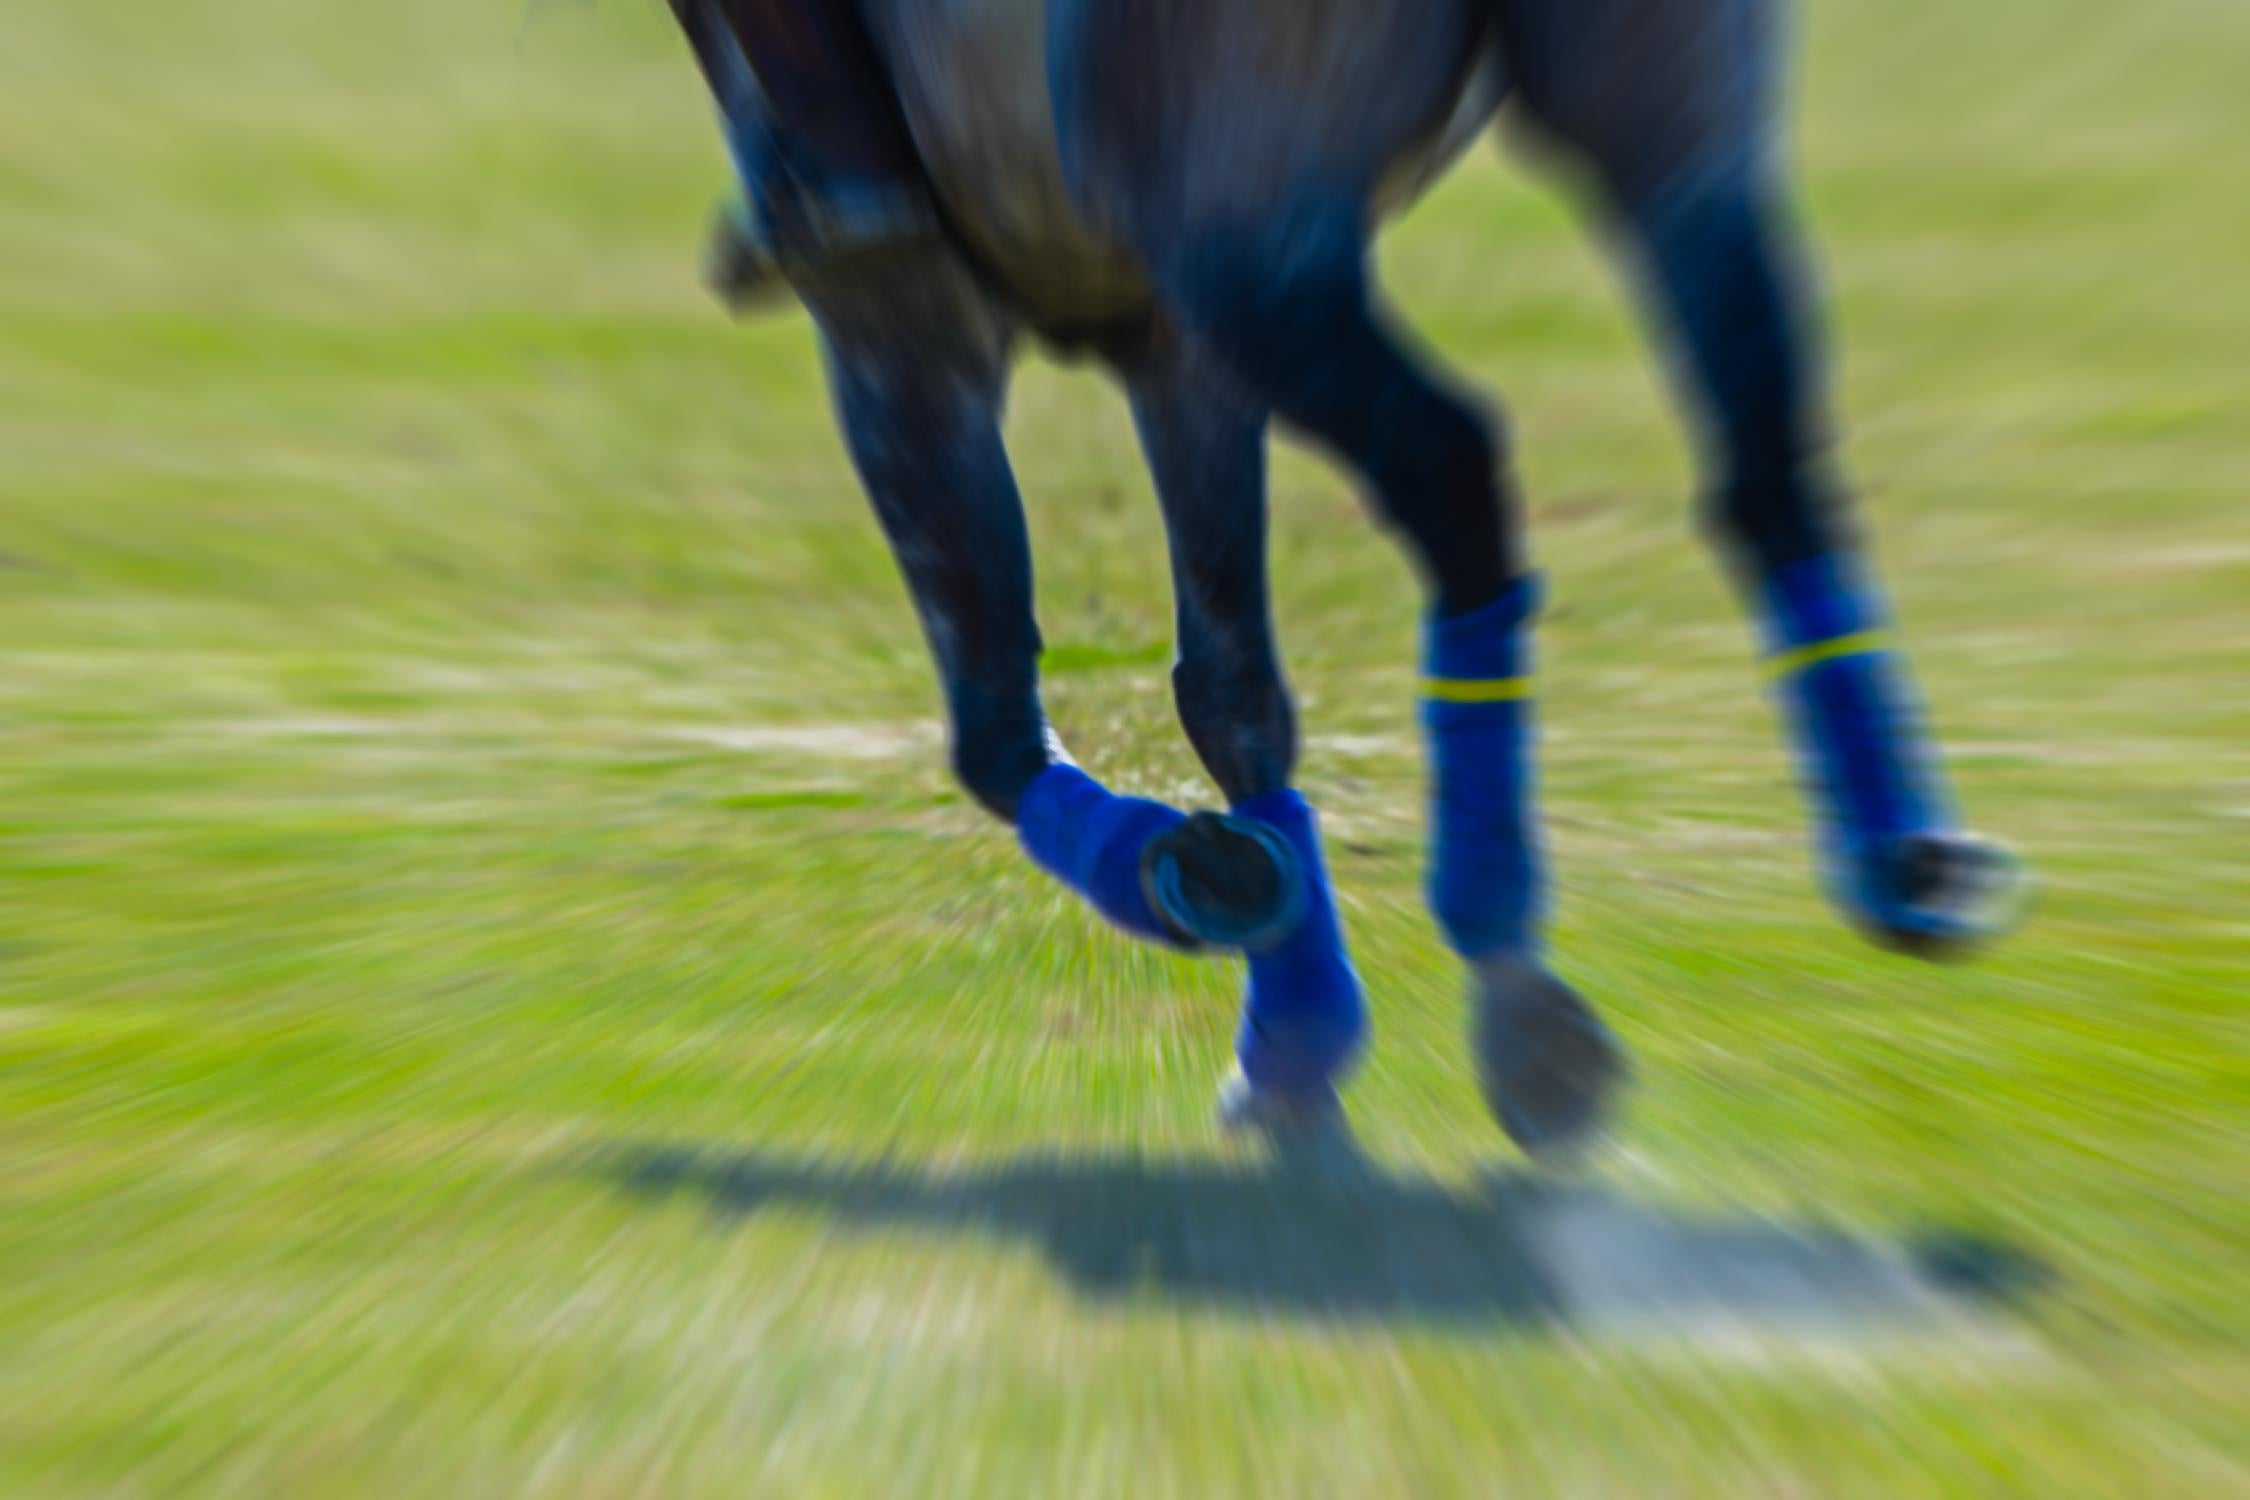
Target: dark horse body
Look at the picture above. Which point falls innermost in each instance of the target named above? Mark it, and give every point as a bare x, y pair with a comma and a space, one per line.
1189, 188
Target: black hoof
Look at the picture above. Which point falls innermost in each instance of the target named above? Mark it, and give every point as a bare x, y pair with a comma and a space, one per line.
1224, 882
1551, 1070
1941, 895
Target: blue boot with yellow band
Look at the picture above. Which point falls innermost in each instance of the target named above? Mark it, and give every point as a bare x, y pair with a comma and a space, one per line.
1487, 880
1892, 851
1549, 1068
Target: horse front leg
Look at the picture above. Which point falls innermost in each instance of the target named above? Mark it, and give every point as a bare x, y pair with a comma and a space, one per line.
1304, 1019
1669, 102
918, 369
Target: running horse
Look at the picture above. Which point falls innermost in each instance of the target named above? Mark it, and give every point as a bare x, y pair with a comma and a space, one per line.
1188, 189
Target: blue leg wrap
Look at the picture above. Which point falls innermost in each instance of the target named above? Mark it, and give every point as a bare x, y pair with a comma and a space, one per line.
1487, 883
1305, 1017
1091, 839
1843, 683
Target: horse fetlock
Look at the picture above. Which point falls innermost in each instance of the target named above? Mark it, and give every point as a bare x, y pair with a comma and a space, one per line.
996, 767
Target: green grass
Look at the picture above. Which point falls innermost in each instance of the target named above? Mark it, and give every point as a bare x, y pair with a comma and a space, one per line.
457, 725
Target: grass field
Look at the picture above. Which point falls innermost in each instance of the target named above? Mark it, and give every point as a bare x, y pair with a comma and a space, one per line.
497, 994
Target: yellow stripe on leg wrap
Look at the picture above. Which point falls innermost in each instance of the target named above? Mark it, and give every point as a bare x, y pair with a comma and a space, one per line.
1859, 643
1476, 689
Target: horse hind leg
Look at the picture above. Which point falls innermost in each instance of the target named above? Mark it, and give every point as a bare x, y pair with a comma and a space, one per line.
1668, 102
917, 365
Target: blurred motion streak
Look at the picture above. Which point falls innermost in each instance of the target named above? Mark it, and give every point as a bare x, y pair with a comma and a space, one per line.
515, 978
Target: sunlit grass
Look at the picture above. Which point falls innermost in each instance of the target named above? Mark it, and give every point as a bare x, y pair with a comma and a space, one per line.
456, 722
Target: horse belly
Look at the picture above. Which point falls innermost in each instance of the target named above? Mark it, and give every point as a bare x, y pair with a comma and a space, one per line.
973, 78
972, 75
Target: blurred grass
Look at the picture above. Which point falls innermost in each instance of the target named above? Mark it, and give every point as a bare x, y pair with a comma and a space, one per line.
456, 717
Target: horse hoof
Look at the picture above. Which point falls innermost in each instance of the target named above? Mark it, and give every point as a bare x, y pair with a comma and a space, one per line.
1309, 1120
740, 272
1224, 882
1550, 1069
1940, 895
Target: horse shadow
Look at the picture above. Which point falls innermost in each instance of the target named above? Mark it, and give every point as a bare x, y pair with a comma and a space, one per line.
1352, 1242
